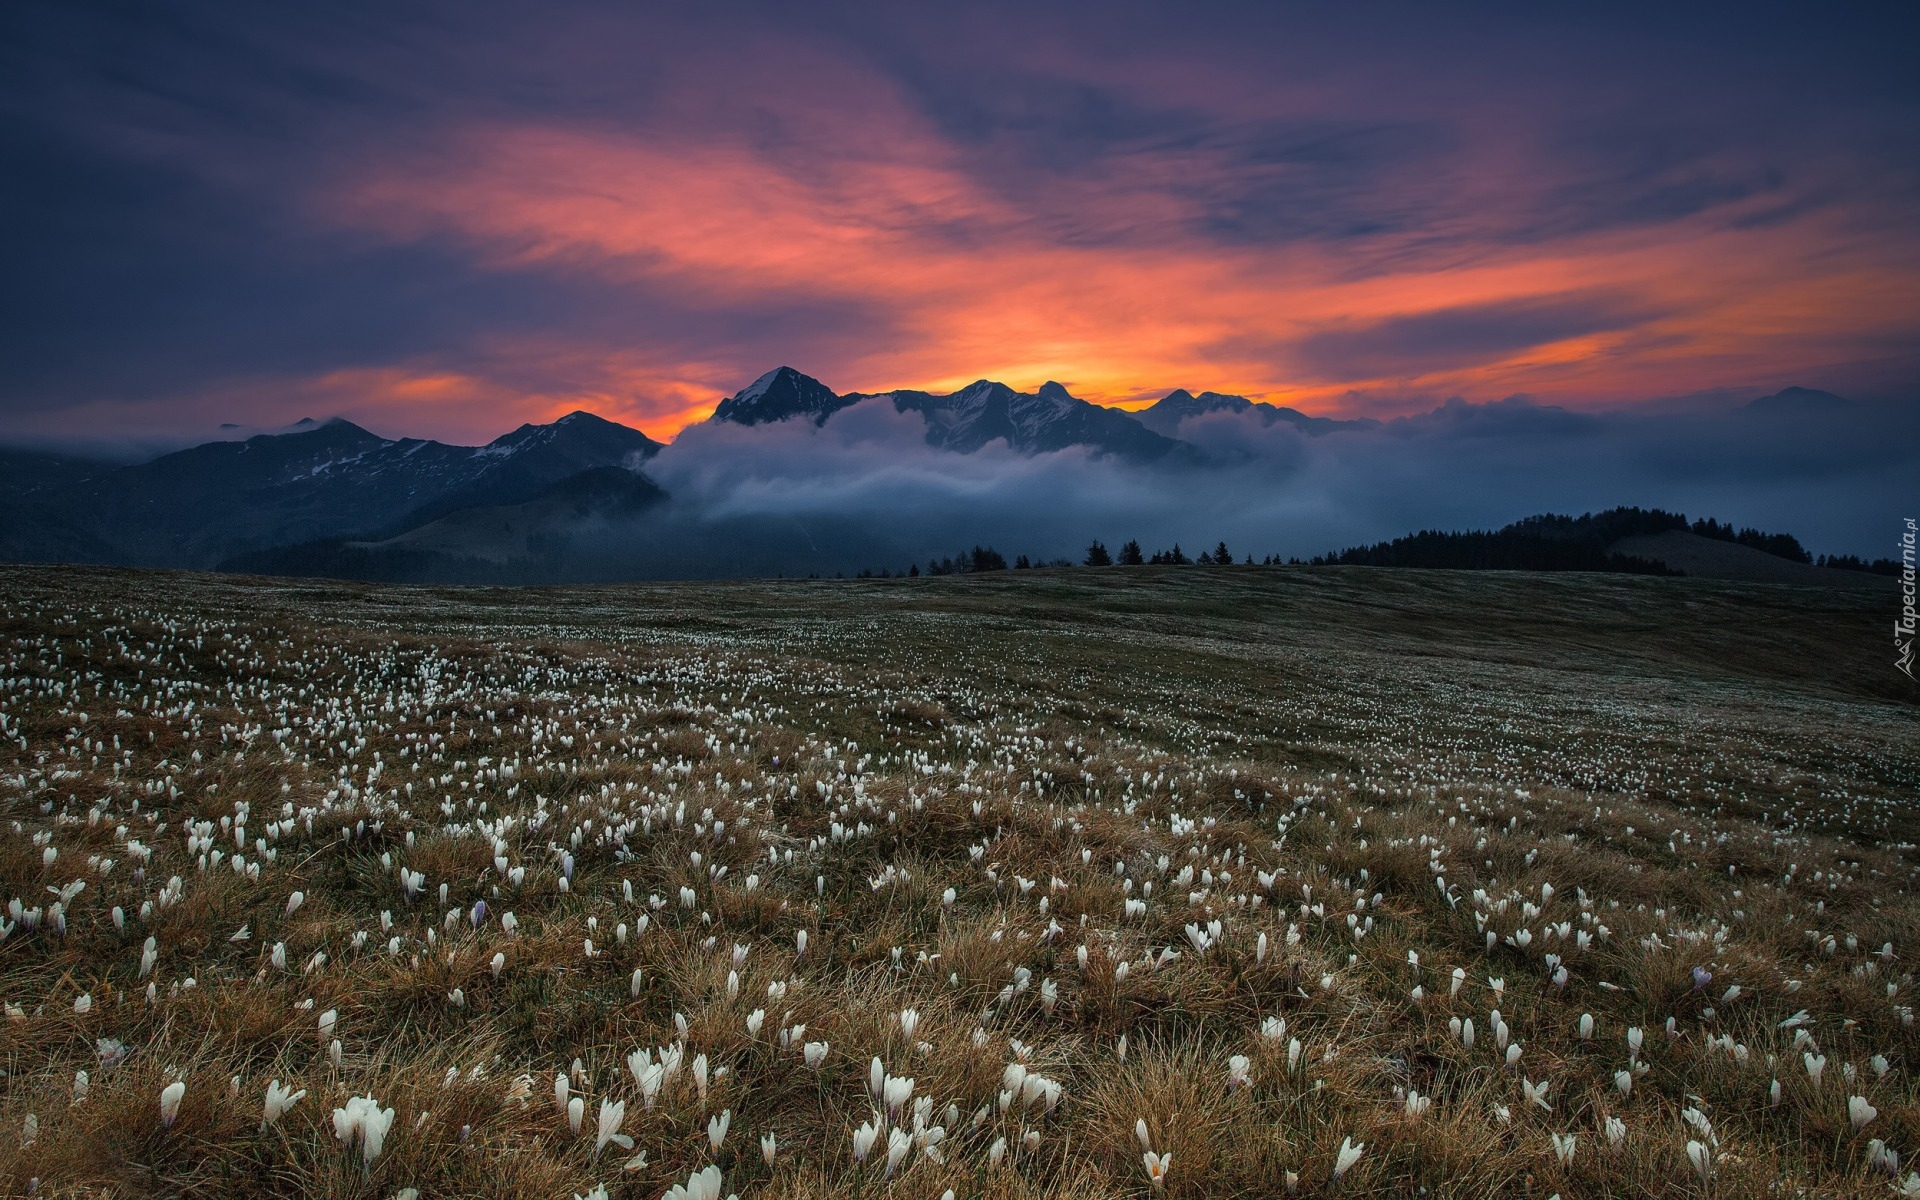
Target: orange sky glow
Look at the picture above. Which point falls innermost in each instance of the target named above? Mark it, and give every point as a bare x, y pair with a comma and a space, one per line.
637, 212
964, 285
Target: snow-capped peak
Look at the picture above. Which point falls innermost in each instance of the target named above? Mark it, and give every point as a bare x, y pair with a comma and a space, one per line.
758, 387
781, 393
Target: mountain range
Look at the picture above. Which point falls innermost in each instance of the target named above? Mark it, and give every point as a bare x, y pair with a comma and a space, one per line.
962, 421
332, 483
201, 506
329, 497
1031, 423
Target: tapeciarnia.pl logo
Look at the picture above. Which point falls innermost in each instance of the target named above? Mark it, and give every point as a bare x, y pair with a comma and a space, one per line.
1904, 626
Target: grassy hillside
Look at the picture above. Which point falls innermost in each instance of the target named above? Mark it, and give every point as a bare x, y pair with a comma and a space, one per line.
1006, 885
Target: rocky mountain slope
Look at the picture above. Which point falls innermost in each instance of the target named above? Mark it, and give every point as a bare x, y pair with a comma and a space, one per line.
201, 506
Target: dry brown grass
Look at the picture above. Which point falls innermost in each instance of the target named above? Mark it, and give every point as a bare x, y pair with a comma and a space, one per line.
1238, 753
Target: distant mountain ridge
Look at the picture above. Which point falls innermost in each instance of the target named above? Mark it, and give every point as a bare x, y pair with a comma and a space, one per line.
200, 506
1164, 415
1037, 423
321, 496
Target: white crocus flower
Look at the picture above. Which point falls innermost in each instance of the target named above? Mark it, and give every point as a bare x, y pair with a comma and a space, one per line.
1616, 1131
896, 1091
1702, 1159
1239, 1072
1816, 1065
1350, 1153
279, 1100
863, 1139
703, 1184
1563, 1148
363, 1119
170, 1097
612, 1114
1157, 1166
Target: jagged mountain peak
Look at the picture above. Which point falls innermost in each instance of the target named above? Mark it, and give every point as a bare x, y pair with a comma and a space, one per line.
759, 387
983, 387
577, 428
781, 393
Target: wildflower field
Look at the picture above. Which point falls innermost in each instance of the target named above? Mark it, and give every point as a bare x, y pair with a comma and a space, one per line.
1137, 882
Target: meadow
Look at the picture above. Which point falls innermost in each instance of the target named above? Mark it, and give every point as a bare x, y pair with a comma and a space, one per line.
1121, 882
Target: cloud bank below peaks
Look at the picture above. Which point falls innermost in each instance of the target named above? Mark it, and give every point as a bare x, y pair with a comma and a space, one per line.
865, 489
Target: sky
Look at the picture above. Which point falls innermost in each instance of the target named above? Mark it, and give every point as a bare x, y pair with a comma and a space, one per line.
444, 220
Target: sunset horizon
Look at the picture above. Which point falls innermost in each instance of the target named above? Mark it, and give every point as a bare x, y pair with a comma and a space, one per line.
448, 234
